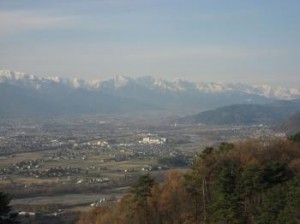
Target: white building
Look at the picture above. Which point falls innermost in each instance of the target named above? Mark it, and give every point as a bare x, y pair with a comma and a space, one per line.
153, 140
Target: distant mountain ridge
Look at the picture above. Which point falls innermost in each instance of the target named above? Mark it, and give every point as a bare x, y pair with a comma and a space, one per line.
26, 94
148, 82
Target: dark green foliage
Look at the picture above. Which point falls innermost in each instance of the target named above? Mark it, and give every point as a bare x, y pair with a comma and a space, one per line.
260, 191
225, 197
281, 204
273, 202
251, 180
193, 183
7, 216
295, 138
142, 189
206, 151
291, 212
4, 203
225, 146
174, 161
274, 173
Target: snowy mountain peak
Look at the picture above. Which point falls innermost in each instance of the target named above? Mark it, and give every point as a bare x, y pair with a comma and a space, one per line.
6, 75
54, 79
177, 86
120, 81
213, 87
95, 84
78, 83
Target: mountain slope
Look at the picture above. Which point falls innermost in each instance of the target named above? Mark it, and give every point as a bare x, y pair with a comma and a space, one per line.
23, 94
245, 114
16, 101
291, 125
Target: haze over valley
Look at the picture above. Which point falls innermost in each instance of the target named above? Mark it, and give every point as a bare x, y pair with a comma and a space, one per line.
87, 142
149, 112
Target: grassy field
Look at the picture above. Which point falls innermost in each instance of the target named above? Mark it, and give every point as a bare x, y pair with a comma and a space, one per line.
67, 199
30, 180
92, 166
97, 162
20, 157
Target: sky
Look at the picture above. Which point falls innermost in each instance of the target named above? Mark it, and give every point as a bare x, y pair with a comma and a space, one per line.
255, 41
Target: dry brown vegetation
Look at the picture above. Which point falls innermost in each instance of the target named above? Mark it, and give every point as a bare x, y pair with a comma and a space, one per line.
245, 182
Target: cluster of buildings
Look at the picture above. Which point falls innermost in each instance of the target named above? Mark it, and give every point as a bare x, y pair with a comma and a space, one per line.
153, 140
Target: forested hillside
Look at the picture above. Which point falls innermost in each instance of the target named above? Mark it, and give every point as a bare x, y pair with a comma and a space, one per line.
246, 182
291, 125
273, 113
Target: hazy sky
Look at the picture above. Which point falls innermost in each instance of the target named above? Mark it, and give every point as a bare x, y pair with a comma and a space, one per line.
256, 41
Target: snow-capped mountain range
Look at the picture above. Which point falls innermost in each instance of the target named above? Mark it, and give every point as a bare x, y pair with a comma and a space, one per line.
117, 83
22, 94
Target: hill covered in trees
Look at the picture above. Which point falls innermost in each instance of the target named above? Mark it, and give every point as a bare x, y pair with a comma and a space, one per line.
291, 125
245, 114
246, 182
